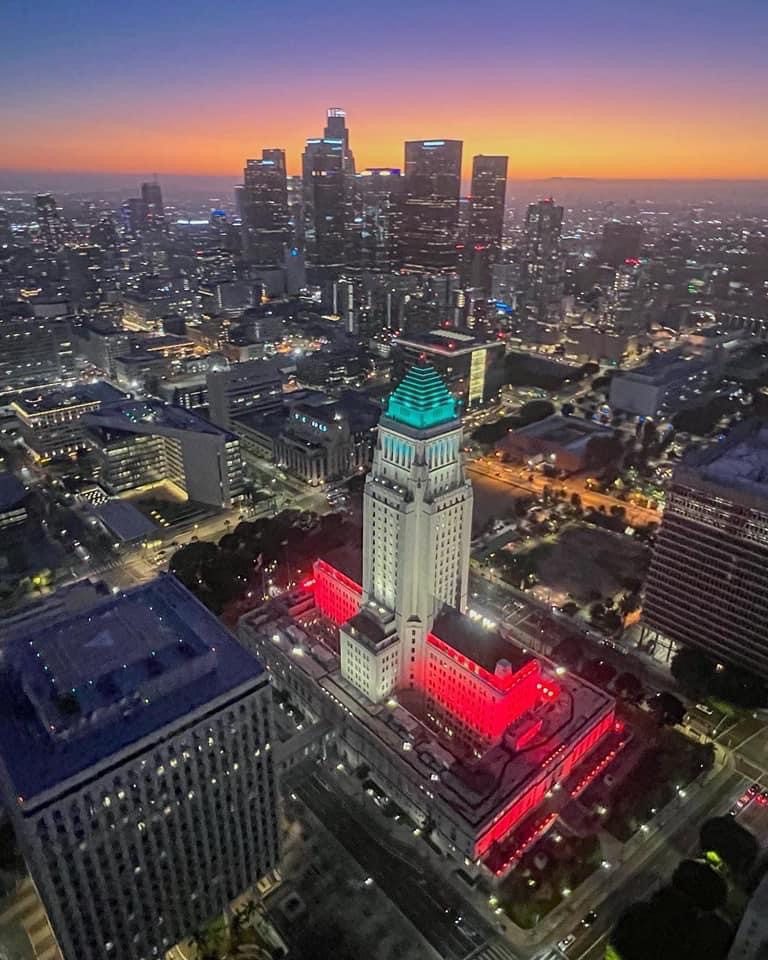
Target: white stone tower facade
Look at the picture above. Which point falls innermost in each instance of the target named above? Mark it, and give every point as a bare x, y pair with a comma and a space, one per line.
417, 524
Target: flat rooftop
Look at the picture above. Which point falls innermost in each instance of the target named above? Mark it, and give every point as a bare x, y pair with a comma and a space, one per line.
147, 413
477, 789
447, 342
125, 521
481, 646
77, 691
568, 432
664, 367
739, 463
347, 559
78, 395
12, 491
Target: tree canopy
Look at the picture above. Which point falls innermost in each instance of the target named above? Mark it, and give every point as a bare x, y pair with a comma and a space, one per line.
669, 710
735, 845
700, 883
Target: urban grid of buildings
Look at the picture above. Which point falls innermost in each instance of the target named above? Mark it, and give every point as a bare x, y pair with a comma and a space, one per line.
395, 344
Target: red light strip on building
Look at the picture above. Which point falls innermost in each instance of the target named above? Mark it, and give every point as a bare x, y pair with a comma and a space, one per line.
598, 768
538, 831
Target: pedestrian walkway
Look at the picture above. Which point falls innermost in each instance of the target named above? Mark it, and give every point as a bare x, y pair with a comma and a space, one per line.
492, 951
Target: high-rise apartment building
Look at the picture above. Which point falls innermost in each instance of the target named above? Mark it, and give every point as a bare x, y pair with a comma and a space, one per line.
542, 271
152, 196
430, 207
135, 747
486, 219
328, 168
49, 221
264, 208
707, 586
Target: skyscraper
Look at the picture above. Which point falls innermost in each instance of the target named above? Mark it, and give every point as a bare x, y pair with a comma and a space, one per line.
135, 748
328, 168
49, 220
264, 208
376, 214
486, 223
542, 278
152, 196
134, 215
707, 586
430, 207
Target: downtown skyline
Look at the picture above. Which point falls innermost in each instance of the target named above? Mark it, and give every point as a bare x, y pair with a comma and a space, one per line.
563, 91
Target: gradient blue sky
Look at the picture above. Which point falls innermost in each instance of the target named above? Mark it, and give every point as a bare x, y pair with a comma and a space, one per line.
566, 87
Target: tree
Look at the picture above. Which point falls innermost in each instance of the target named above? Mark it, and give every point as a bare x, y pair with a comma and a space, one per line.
568, 652
739, 687
699, 882
489, 434
629, 687
692, 669
735, 845
598, 672
534, 410
669, 710
603, 450
629, 603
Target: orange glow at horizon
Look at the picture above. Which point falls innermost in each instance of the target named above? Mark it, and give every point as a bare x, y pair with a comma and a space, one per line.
625, 138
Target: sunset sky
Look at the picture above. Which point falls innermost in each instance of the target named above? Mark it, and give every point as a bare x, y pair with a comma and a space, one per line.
597, 88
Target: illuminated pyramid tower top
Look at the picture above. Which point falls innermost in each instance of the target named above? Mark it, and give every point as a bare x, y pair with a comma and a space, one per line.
422, 400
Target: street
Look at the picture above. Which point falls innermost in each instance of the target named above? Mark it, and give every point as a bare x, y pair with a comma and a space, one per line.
418, 891
503, 476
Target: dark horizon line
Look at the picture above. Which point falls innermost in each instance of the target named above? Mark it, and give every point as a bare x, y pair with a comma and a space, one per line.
552, 177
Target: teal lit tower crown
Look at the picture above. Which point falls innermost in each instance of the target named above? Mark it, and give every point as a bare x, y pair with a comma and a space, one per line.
422, 400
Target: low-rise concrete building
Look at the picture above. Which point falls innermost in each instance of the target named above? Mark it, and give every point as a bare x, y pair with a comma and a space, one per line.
560, 441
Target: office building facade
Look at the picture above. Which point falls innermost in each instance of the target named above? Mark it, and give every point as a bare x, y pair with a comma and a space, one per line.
152, 196
430, 206
486, 219
140, 781
375, 230
470, 365
328, 170
137, 442
707, 586
542, 269
49, 221
264, 208
34, 352
253, 386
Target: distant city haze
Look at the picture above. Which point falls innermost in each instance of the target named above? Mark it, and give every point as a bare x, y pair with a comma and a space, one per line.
658, 90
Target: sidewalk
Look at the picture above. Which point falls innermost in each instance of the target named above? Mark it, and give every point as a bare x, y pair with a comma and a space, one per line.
631, 857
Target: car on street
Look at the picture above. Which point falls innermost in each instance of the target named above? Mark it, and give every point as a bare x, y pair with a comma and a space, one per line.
566, 942
588, 919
